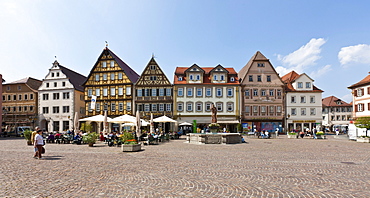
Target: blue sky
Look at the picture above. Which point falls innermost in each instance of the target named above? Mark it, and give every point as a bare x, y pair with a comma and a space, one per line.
328, 40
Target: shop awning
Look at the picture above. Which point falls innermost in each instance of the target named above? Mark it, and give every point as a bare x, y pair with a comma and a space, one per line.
227, 121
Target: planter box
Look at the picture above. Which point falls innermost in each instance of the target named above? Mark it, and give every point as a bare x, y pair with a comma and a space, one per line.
292, 136
320, 137
363, 140
131, 147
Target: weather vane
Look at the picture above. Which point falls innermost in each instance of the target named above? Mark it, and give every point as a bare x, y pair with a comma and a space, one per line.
106, 43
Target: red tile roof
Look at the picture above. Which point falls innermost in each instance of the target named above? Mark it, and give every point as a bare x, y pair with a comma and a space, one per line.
206, 77
363, 82
290, 77
331, 101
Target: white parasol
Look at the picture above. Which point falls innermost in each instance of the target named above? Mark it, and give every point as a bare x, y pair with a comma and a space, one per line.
138, 125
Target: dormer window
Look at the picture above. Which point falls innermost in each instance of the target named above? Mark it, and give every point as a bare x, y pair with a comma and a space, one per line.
232, 79
222, 77
214, 77
57, 74
191, 77
339, 102
180, 78
194, 69
198, 77
308, 85
300, 85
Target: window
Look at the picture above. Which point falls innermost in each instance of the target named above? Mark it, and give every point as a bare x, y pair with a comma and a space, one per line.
360, 92
247, 109
161, 107
25, 97
55, 96
246, 93
139, 92
154, 92
112, 76
120, 91
219, 92
344, 118
55, 125
45, 110
97, 107
168, 107
180, 107
271, 109
128, 106
120, 76
154, 107
65, 95
180, 92
105, 92
261, 65
214, 77
208, 106
199, 92
97, 92
263, 109
55, 109
19, 97
104, 64
279, 92
52, 74
5, 97
268, 78
14, 97
232, 79
55, 84
8, 88
303, 111
259, 79
31, 96
198, 77
105, 77
360, 107
152, 67
57, 74
111, 63
300, 85
153, 78
271, 92
303, 99
63, 84
219, 106
161, 92
120, 106
209, 92
255, 92
45, 96
180, 78
250, 78
255, 109
191, 77
230, 92
89, 92
308, 85
190, 92
199, 106
65, 109
230, 106
47, 84
105, 107
222, 77
293, 111
312, 99
31, 108
168, 91
263, 92
189, 106
113, 107
112, 91
292, 99
312, 111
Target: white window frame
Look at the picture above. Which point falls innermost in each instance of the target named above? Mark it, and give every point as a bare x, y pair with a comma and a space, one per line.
168, 92
89, 92
111, 63
104, 64
161, 92
180, 92
219, 92
97, 77
112, 76
154, 92
120, 91
128, 91
105, 91
230, 106
120, 106
199, 106
120, 76
128, 106
300, 84
161, 107
139, 92
168, 107
230, 92
308, 85
112, 91
180, 106
219, 106
208, 92
154, 107
199, 92
189, 92
189, 106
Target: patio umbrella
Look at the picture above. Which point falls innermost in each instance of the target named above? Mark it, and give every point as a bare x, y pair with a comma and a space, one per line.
96, 118
151, 123
164, 119
105, 123
185, 124
124, 119
76, 124
138, 125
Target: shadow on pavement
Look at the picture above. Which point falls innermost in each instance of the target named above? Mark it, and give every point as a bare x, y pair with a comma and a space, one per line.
53, 157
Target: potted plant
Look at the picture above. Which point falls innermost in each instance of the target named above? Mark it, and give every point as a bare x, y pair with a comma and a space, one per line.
129, 142
292, 135
90, 138
213, 127
27, 135
320, 135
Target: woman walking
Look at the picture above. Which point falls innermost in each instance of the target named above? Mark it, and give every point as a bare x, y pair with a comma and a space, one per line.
39, 143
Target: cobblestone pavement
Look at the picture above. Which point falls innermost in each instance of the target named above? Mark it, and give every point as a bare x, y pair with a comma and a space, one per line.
334, 167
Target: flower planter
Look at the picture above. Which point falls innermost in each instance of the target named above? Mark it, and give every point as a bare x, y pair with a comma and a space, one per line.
320, 137
131, 147
363, 140
292, 136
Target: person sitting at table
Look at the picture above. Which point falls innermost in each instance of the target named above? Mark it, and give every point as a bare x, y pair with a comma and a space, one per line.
77, 139
51, 138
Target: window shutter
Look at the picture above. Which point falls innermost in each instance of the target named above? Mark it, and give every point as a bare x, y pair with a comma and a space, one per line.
368, 90
368, 106
356, 108
355, 93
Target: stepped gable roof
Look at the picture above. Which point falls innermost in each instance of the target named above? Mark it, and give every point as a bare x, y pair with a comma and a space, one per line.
258, 56
363, 82
32, 83
206, 78
75, 78
331, 101
290, 77
130, 73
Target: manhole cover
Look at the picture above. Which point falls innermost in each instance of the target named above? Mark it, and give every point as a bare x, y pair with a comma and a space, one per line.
347, 162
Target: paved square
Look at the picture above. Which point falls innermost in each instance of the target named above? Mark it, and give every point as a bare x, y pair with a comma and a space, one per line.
260, 168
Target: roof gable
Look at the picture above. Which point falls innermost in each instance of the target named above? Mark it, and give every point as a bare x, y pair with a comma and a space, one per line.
153, 69
363, 82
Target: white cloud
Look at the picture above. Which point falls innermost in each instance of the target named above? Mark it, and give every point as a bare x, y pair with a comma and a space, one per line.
299, 60
320, 71
354, 54
347, 98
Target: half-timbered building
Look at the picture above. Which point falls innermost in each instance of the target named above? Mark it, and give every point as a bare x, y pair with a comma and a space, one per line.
109, 86
153, 92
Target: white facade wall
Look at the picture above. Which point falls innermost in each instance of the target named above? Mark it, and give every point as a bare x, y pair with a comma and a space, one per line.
363, 100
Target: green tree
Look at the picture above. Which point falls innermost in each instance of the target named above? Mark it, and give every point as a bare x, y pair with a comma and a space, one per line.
86, 127
363, 122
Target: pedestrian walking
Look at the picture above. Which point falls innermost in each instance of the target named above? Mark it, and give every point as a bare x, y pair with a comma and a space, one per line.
34, 133
337, 131
38, 144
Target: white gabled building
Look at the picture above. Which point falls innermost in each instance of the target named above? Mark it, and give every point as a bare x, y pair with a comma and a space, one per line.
361, 98
60, 96
303, 102
197, 88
